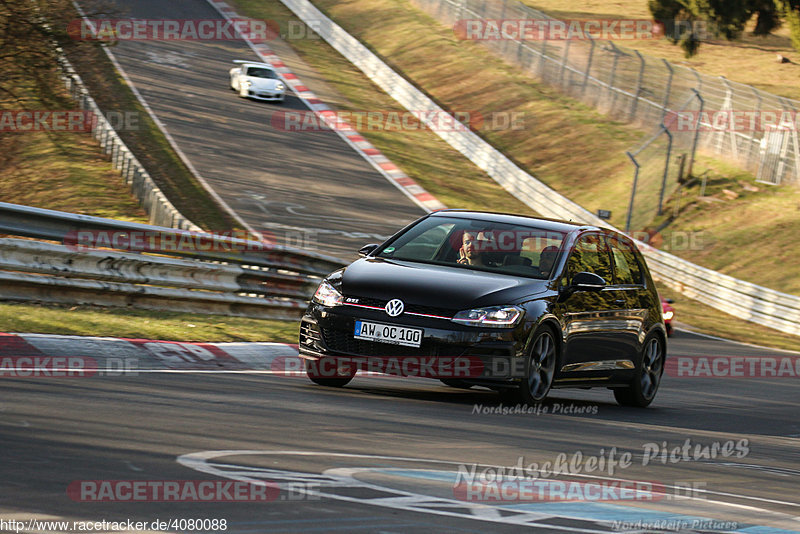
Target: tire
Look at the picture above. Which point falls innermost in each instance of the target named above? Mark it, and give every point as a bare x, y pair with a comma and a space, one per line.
540, 368
455, 383
341, 375
645, 384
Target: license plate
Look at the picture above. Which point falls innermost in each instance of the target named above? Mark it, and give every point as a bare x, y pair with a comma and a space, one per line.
387, 333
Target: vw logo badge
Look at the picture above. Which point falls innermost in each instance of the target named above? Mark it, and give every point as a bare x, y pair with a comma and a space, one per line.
394, 307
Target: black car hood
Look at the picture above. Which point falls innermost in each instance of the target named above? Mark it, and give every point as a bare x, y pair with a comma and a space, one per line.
433, 285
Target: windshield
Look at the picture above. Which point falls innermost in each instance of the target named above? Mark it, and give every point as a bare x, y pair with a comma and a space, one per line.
261, 72
483, 245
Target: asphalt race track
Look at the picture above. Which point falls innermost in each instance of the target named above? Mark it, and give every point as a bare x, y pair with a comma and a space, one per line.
305, 188
383, 454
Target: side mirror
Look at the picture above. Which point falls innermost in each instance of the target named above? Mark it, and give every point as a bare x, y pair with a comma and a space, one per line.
367, 249
586, 281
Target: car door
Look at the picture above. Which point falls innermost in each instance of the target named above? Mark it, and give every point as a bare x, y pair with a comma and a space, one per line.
630, 296
592, 320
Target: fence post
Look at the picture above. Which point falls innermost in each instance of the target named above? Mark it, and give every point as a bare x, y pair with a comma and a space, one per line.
696, 130
759, 101
638, 86
666, 171
563, 63
667, 93
613, 76
633, 191
588, 66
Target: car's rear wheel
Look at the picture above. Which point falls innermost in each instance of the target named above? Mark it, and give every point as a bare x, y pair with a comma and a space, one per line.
644, 387
540, 368
330, 373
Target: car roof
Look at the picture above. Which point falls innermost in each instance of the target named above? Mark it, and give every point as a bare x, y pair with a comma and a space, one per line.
256, 64
555, 225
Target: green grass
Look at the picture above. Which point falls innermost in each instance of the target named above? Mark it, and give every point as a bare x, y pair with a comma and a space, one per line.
60, 170
142, 324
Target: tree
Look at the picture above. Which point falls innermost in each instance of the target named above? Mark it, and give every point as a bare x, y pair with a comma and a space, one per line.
689, 22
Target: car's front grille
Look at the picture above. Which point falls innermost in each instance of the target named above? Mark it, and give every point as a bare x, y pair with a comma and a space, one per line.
309, 334
343, 341
409, 308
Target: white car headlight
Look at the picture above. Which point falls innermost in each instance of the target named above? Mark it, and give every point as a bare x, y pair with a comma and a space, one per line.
327, 295
668, 315
279, 86
493, 316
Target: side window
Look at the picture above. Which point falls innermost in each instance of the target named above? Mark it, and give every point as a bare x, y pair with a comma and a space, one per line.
626, 267
590, 254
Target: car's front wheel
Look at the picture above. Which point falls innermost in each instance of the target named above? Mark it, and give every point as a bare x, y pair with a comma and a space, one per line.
644, 387
329, 372
540, 368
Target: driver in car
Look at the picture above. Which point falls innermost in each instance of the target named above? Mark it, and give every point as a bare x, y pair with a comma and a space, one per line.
473, 249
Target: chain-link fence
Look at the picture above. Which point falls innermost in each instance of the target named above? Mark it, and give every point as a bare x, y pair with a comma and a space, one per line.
741, 124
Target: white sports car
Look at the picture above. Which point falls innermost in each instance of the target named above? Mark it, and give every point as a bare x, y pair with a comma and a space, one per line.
257, 80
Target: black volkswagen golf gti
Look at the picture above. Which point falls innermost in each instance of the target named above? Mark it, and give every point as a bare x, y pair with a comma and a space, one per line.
516, 304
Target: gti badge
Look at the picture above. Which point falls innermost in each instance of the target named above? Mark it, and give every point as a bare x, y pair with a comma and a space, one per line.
394, 307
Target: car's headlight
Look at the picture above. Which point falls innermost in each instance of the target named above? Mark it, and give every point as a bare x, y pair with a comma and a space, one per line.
494, 316
327, 295
279, 86
668, 315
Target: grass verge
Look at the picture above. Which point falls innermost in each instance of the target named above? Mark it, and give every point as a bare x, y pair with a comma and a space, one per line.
60, 170
142, 324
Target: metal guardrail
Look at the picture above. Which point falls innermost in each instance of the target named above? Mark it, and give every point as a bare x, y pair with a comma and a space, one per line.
153, 267
745, 300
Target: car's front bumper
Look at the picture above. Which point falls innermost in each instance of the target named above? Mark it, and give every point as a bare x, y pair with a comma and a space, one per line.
273, 96
448, 349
